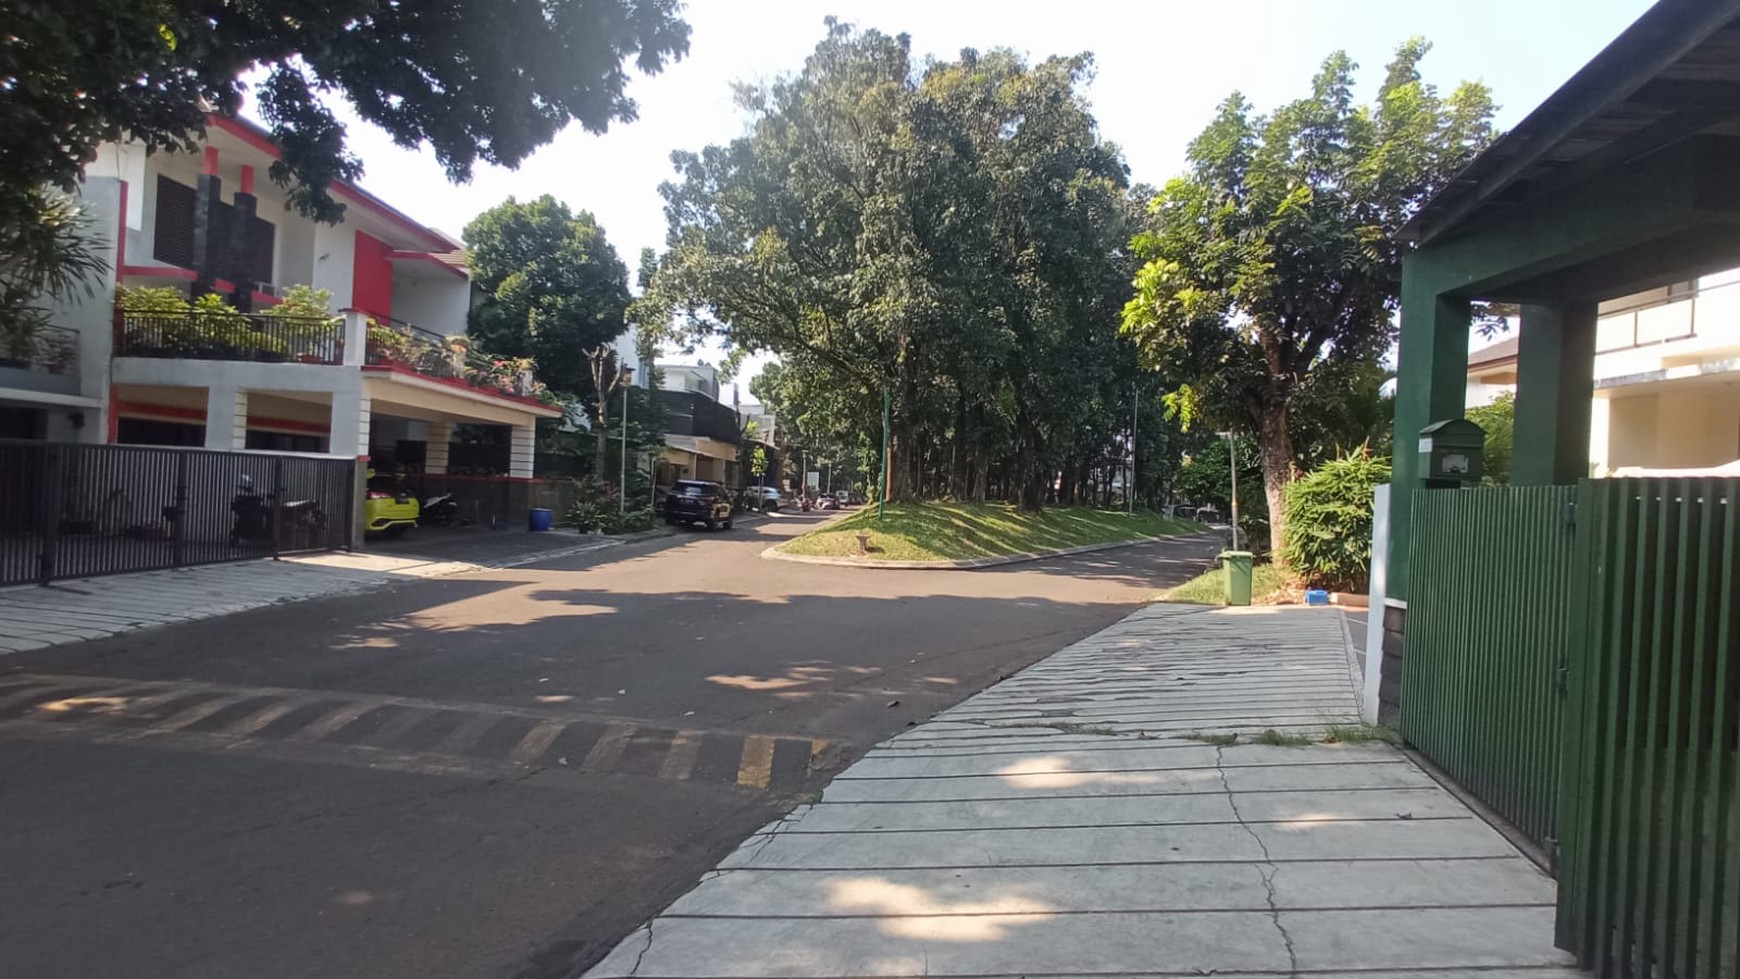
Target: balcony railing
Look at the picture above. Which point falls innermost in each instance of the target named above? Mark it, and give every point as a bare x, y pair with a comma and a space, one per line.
42, 350
392, 343
205, 335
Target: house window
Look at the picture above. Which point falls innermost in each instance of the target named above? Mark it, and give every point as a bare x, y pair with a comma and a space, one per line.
172, 241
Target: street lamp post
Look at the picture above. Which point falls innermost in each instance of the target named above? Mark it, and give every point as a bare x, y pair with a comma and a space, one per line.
1232, 455
626, 379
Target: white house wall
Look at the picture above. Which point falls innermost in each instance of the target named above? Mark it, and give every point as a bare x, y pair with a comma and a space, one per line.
334, 262
430, 297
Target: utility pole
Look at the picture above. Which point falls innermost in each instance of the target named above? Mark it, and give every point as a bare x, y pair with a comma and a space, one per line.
622, 478
1135, 418
1232, 455
887, 468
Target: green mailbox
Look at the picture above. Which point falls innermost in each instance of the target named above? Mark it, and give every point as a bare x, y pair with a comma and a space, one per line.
1452, 452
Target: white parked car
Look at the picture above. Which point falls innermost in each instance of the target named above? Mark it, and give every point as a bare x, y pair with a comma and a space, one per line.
770, 498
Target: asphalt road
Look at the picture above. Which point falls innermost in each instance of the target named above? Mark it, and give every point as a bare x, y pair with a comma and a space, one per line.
495, 775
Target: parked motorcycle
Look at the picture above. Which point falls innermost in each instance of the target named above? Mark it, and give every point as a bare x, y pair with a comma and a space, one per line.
806, 504
440, 511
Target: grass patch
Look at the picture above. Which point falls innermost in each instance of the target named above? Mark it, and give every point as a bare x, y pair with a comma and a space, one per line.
1209, 588
962, 531
1358, 734
1218, 740
1276, 739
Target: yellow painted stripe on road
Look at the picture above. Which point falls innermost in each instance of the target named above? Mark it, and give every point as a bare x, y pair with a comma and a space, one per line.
756, 768
198, 712
333, 721
536, 742
260, 718
604, 754
680, 759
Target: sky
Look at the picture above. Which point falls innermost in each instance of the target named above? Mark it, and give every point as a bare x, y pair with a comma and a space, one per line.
1161, 67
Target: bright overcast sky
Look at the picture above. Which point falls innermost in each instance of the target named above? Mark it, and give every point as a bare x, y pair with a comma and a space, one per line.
1162, 65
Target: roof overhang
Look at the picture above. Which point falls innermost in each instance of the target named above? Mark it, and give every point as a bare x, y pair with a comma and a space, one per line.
451, 399
1672, 75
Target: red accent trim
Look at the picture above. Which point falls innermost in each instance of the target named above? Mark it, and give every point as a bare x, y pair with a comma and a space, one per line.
265, 299
210, 166
454, 382
159, 272
223, 285
247, 180
161, 411
121, 234
290, 424
198, 415
426, 257
258, 139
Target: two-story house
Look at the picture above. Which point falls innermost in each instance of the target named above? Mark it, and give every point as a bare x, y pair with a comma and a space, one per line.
1667, 379
388, 376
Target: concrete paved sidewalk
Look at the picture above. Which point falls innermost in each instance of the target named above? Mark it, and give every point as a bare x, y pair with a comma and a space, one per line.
1058, 825
32, 617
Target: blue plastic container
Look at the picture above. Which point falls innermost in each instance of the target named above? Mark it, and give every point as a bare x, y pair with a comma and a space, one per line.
1316, 596
540, 520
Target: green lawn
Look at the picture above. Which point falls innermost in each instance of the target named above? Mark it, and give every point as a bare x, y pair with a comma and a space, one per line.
1209, 588
958, 531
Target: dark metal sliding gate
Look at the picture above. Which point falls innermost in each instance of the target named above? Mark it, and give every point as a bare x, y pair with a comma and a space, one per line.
73, 511
1573, 658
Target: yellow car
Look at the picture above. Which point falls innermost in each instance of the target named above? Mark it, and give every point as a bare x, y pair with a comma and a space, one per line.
389, 509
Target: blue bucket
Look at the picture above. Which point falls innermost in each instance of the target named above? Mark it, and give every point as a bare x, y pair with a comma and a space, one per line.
540, 520
1317, 596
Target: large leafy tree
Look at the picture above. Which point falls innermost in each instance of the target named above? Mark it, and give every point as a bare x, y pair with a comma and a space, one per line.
487, 80
1272, 264
950, 239
553, 289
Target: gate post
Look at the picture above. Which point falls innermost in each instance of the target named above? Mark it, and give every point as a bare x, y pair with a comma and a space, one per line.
275, 503
178, 537
48, 506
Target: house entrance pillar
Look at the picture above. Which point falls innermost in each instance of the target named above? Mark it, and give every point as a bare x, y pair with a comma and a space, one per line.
1555, 384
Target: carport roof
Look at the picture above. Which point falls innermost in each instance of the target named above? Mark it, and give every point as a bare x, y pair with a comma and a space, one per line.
1673, 74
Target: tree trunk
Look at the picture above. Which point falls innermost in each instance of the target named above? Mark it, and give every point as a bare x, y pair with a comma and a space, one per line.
1276, 448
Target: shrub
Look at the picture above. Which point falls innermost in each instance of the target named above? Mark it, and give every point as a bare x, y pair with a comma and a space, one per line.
1329, 521
154, 299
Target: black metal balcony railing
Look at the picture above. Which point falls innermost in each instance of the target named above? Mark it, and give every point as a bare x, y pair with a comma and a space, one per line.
231, 336
43, 350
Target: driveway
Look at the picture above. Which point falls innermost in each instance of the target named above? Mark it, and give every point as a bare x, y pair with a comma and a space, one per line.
495, 774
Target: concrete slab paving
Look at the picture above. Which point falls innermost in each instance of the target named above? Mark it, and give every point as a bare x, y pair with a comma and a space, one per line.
1003, 839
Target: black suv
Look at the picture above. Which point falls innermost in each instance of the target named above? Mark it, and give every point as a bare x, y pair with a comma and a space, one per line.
696, 500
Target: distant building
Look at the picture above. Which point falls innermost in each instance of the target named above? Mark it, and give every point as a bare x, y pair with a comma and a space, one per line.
1667, 378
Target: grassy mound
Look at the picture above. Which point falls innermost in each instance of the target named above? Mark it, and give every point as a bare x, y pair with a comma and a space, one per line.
959, 531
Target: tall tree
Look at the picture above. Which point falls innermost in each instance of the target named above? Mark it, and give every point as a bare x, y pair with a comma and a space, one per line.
950, 239
488, 80
553, 289
1274, 259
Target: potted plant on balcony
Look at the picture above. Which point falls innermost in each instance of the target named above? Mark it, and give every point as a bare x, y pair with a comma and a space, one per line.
156, 322
18, 340
386, 345
303, 321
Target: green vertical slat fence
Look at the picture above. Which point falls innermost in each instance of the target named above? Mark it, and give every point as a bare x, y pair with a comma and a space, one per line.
1489, 612
1650, 871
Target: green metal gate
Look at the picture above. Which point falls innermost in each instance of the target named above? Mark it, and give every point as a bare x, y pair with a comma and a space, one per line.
1488, 621
1650, 869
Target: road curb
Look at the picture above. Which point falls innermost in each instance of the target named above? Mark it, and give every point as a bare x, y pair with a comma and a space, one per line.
773, 554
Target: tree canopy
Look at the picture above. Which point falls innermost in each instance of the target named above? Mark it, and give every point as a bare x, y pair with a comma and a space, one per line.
1271, 266
952, 235
553, 288
488, 80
